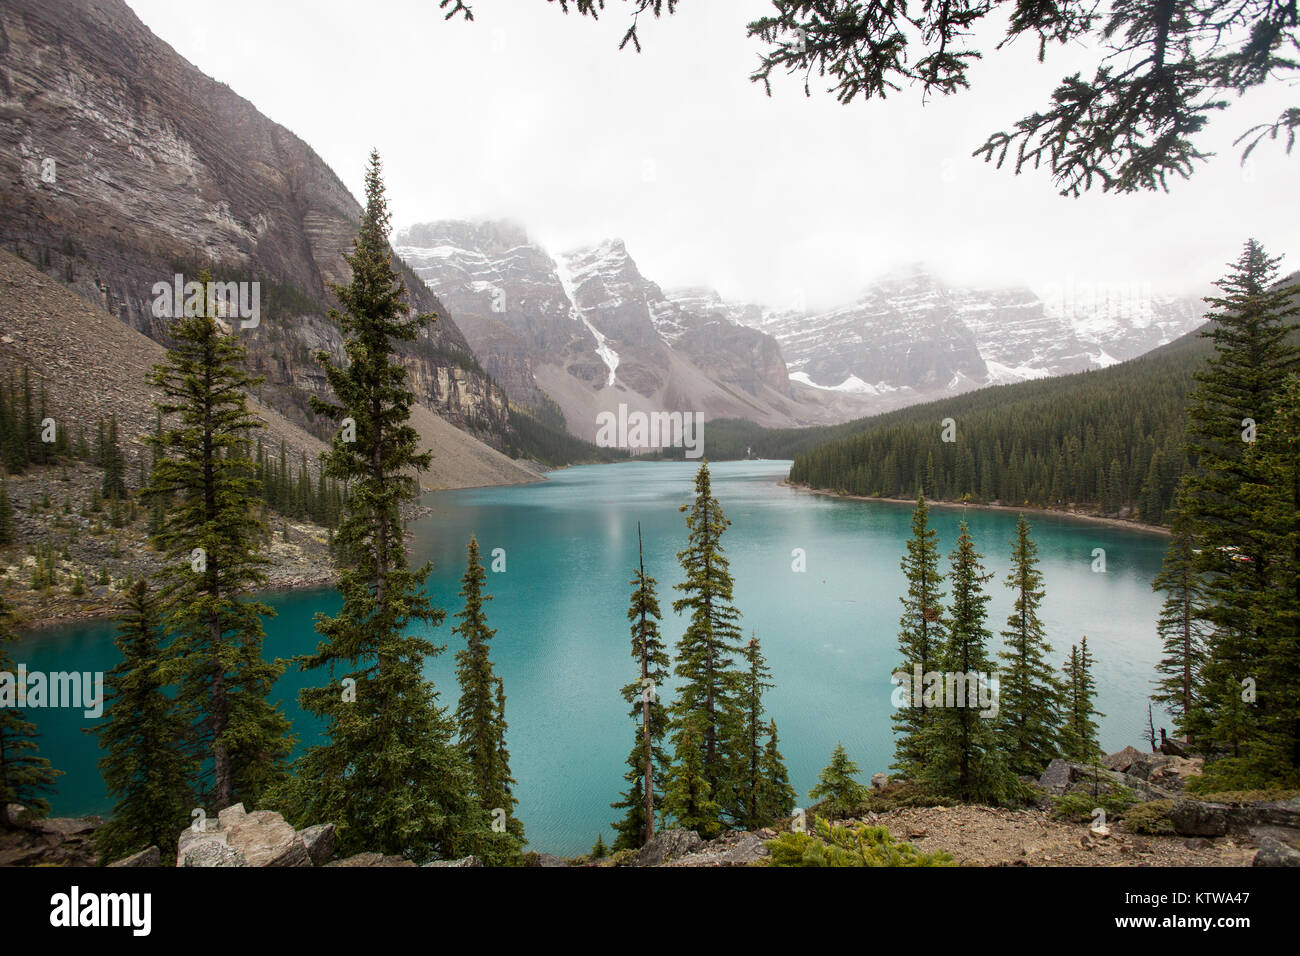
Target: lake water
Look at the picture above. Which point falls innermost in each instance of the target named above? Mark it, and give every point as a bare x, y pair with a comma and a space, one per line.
563, 645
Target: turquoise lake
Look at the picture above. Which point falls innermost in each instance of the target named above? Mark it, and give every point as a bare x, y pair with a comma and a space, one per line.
563, 645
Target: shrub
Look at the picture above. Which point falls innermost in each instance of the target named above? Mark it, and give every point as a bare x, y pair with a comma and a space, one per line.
1151, 818
861, 845
1078, 807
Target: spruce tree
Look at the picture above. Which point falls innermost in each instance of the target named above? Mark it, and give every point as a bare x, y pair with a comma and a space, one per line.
480, 720
837, 787
114, 483
751, 758
962, 754
1030, 692
1182, 631
709, 693
210, 545
1239, 385
25, 776
647, 761
146, 766
389, 775
688, 796
775, 796
1079, 735
6, 517
921, 636
1274, 498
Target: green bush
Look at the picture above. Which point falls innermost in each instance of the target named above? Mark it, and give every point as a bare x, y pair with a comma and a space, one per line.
1078, 807
1240, 774
1151, 818
861, 845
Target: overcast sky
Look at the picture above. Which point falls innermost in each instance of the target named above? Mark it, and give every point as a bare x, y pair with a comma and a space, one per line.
534, 116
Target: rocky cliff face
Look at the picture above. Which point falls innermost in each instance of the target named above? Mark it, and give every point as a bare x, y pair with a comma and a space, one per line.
122, 164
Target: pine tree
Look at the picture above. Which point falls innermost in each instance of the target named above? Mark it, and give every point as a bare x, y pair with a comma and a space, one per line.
6, 517
688, 797
146, 766
114, 484
752, 759
775, 796
709, 693
598, 850
209, 541
1275, 502
479, 714
1240, 384
921, 636
1030, 692
1079, 736
842, 794
961, 742
1182, 631
647, 760
389, 775
24, 775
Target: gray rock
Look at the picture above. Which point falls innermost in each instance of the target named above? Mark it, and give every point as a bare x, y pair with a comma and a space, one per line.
146, 857
1122, 760
463, 861
1194, 818
1198, 843
548, 860
17, 814
227, 817
1057, 776
211, 853
879, 781
667, 845
190, 840
263, 838
1276, 853
748, 849
319, 841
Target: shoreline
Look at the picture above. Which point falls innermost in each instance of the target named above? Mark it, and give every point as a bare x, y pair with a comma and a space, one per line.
1054, 512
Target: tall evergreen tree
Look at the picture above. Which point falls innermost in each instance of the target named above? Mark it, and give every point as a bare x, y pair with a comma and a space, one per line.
1182, 630
1079, 736
1030, 692
962, 754
647, 761
921, 636
210, 543
709, 693
775, 797
1275, 501
25, 776
389, 775
688, 796
753, 760
480, 722
6, 517
146, 765
1239, 385
114, 483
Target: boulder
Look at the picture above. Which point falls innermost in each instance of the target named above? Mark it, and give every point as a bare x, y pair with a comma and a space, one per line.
227, 817
668, 844
1194, 818
319, 841
546, 860
149, 856
1122, 760
463, 861
1276, 853
1057, 776
263, 838
879, 781
211, 853
16, 814
748, 849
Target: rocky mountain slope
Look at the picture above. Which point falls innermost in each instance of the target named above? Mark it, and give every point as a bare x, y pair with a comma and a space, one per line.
121, 164
587, 331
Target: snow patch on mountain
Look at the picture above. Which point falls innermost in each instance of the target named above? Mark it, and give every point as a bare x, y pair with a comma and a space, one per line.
568, 282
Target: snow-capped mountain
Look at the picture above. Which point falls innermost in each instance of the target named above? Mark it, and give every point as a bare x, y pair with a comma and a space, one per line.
910, 335
587, 331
